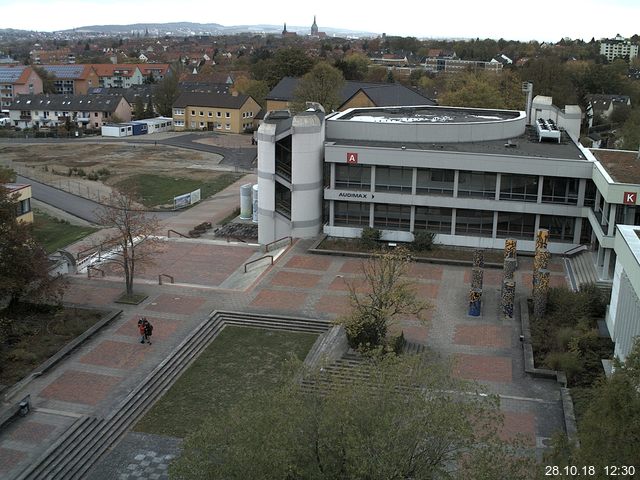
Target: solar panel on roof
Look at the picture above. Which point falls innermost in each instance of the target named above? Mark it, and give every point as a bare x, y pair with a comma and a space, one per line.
10, 74
65, 71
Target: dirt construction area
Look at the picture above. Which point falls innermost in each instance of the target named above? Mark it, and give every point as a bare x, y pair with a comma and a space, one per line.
91, 169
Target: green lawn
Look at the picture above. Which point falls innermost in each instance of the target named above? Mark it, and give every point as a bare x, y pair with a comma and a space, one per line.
240, 361
54, 234
156, 190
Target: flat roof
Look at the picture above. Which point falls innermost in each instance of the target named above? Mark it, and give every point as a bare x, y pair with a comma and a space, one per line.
426, 114
14, 187
623, 166
526, 145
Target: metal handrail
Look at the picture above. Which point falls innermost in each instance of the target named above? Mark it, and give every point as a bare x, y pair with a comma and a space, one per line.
237, 239
266, 247
175, 231
573, 250
257, 259
170, 277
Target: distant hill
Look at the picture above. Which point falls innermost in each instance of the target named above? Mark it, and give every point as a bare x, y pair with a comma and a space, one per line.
190, 28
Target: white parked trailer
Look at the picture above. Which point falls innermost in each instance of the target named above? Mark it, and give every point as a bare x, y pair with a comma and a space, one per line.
158, 124
117, 130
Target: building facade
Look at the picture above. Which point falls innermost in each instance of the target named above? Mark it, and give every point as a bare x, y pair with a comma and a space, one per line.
623, 314
618, 47
17, 80
72, 79
22, 192
77, 111
214, 112
474, 177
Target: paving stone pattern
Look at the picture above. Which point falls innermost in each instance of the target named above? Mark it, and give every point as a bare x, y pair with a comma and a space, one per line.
95, 378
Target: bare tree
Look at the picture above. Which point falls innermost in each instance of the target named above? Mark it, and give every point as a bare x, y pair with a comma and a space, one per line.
131, 235
385, 294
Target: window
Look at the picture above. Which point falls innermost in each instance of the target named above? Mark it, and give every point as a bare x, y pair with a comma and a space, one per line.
516, 225
560, 190
560, 228
201, 124
392, 217
227, 115
476, 184
179, 123
357, 177
178, 111
590, 194
95, 114
435, 181
218, 114
193, 112
394, 179
23, 206
201, 113
210, 114
519, 187
227, 126
351, 214
193, 124
474, 222
433, 219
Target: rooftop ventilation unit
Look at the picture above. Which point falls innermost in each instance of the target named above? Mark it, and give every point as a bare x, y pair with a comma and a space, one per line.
547, 129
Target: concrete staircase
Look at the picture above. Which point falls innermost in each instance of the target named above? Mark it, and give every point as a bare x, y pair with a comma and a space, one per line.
348, 369
582, 271
80, 447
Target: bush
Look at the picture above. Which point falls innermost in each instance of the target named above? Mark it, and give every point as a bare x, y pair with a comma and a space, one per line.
22, 355
568, 362
92, 176
422, 240
363, 333
370, 237
395, 343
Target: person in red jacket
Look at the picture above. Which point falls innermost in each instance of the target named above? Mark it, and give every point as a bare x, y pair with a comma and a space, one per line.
141, 328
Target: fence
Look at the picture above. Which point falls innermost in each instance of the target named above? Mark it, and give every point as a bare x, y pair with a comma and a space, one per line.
92, 190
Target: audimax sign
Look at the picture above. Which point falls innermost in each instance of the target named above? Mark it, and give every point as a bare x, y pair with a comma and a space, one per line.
363, 196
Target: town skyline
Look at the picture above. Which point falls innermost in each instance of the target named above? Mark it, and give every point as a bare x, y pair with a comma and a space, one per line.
495, 19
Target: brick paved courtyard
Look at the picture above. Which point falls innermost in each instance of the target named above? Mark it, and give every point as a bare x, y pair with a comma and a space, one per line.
100, 373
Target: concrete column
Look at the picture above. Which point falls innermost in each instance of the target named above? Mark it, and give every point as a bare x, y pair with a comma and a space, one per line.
582, 188
577, 230
494, 229
412, 221
373, 178
604, 269
414, 184
612, 219
371, 214
453, 221
456, 176
498, 181
332, 180
540, 185
536, 225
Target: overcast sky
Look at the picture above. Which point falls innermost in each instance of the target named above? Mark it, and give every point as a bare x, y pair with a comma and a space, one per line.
513, 20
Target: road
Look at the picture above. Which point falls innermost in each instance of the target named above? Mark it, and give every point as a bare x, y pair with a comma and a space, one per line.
80, 207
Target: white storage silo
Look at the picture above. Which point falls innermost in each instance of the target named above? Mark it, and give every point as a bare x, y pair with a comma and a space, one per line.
246, 201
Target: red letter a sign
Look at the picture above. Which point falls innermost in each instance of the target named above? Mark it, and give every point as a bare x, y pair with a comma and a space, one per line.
352, 158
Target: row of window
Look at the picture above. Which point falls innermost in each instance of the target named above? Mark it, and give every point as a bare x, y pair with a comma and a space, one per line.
470, 183
227, 126
180, 111
439, 220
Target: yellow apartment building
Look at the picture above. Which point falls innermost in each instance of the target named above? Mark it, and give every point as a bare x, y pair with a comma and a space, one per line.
23, 201
215, 112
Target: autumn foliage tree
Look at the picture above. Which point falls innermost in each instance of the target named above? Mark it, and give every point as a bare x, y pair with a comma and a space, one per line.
323, 84
131, 236
24, 265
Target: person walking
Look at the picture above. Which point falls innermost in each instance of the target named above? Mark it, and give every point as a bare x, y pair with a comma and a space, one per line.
141, 328
148, 331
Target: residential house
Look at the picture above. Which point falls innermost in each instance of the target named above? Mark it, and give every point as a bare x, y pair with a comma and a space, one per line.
23, 201
456, 65
121, 75
352, 95
211, 111
81, 111
131, 94
72, 79
155, 71
502, 59
602, 106
17, 80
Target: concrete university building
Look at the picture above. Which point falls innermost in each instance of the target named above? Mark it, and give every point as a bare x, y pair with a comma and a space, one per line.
473, 176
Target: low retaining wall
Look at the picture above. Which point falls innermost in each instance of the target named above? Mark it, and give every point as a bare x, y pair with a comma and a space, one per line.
530, 368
